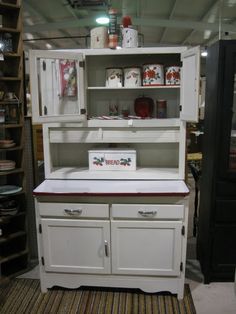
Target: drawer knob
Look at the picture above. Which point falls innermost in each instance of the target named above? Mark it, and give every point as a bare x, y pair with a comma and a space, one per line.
146, 213
73, 211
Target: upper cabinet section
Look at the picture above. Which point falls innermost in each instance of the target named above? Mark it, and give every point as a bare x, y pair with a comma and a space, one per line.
57, 80
97, 85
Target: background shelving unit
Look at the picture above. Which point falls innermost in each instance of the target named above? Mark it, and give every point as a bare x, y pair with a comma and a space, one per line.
13, 239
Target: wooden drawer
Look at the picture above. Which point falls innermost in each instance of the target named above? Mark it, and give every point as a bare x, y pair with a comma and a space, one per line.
74, 210
146, 211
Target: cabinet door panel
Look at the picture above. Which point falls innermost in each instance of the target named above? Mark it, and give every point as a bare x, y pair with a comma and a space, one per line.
190, 73
76, 246
146, 248
57, 86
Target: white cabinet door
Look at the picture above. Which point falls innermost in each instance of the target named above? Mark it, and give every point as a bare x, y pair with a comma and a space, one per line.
146, 247
76, 246
190, 80
57, 86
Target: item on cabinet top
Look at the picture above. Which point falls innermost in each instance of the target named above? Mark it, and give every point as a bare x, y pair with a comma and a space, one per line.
112, 159
7, 145
12, 113
172, 75
153, 75
6, 42
126, 21
143, 107
125, 111
113, 41
112, 21
68, 82
132, 77
10, 96
2, 93
2, 115
9, 189
8, 207
7, 165
161, 109
113, 110
129, 38
99, 37
114, 77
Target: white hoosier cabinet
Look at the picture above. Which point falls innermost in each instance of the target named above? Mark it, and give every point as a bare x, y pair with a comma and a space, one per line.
101, 223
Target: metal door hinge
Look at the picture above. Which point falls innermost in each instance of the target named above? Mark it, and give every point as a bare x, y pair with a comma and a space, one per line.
181, 266
183, 230
81, 64
42, 260
40, 228
180, 108
82, 111
44, 66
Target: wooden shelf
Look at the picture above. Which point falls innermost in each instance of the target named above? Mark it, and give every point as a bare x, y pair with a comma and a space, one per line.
9, 172
11, 126
11, 148
6, 219
9, 30
4, 259
9, 237
14, 227
9, 78
6, 7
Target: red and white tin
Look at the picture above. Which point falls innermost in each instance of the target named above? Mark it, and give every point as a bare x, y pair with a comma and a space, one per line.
172, 75
114, 77
132, 77
153, 75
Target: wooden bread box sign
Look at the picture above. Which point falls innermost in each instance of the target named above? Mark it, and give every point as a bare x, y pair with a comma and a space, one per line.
115, 159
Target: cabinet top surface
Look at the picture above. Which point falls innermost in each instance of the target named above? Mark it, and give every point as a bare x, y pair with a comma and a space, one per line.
112, 187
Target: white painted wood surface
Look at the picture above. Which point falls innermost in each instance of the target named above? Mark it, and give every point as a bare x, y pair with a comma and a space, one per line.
167, 187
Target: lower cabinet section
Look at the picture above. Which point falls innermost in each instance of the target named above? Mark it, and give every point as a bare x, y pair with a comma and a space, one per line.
146, 247
127, 245
76, 246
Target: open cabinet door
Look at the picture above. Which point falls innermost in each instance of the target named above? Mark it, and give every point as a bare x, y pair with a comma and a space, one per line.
57, 86
190, 75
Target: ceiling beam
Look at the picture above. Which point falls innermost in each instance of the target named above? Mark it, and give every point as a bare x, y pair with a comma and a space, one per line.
30, 9
170, 17
211, 8
90, 22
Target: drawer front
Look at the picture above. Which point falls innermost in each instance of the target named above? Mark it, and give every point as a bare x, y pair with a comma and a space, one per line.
74, 210
147, 211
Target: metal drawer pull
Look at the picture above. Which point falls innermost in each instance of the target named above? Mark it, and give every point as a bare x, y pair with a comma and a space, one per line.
106, 248
145, 213
73, 211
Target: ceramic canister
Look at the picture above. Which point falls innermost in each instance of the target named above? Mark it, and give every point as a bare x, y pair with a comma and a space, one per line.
99, 37
132, 77
114, 77
129, 38
153, 74
172, 75
161, 108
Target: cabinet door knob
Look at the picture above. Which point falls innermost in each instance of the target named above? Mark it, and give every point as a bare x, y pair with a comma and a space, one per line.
73, 211
106, 248
146, 213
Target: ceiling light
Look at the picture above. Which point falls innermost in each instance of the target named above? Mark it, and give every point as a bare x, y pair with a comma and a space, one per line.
49, 46
204, 53
102, 20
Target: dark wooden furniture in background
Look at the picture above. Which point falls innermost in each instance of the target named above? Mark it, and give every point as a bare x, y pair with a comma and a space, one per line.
13, 240
216, 240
